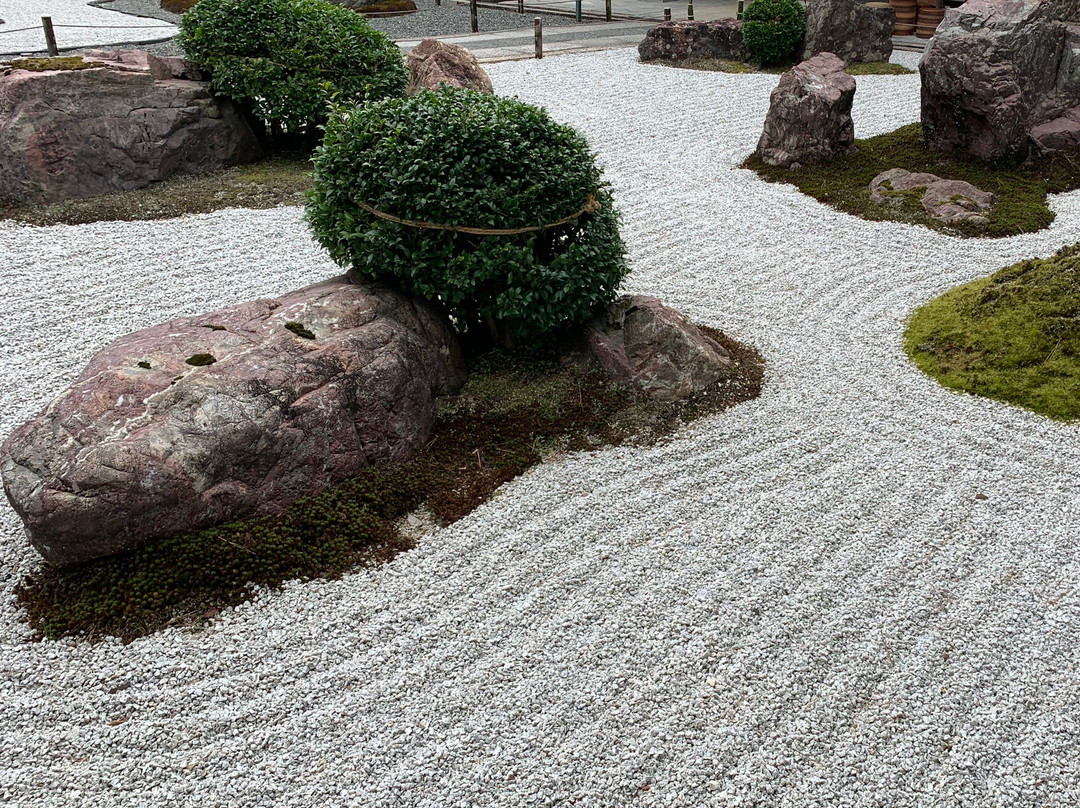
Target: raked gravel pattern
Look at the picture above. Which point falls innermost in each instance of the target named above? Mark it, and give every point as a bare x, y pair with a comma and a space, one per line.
107, 27
799, 602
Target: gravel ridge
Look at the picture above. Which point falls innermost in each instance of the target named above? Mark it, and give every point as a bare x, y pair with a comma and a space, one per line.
798, 602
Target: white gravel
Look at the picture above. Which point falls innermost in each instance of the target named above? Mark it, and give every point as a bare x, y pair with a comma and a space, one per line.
109, 27
799, 602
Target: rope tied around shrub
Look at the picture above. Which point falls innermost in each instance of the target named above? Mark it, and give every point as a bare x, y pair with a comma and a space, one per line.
591, 206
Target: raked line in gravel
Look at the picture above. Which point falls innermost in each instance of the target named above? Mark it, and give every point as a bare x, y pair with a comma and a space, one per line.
108, 26
799, 602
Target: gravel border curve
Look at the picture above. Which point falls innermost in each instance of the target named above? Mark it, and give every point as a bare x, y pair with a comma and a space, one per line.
857, 590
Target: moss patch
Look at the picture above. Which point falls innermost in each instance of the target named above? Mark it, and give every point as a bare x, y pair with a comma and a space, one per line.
281, 180
1021, 190
201, 360
388, 7
41, 64
299, 330
1014, 336
509, 415
878, 69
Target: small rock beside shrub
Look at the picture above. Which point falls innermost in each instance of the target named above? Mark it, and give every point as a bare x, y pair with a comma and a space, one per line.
638, 340
432, 64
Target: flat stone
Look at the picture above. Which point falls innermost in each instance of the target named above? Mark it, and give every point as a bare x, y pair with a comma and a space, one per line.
205, 419
946, 200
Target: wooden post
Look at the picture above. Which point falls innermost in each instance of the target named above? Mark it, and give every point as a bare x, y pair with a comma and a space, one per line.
690, 10
521, 6
50, 36
667, 15
738, 16
472, 16
607, 10
538, 35
577, 10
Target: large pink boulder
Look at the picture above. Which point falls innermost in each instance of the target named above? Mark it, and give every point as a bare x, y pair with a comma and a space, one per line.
206, 419
134, 120
1000, 74
809, 117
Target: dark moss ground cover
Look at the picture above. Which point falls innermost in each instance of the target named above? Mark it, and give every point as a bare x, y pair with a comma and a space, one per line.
1021, 188
279, 180
1014, 336
511, 414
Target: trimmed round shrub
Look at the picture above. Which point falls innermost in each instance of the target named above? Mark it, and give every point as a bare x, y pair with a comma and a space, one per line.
773, 30
286, 59
452, 159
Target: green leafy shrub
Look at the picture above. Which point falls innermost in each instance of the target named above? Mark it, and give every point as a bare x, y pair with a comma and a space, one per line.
460, 159
285, 59
773, 30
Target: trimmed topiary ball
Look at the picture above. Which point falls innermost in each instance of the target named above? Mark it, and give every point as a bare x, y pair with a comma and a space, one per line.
773, 30
285, 59
441, 168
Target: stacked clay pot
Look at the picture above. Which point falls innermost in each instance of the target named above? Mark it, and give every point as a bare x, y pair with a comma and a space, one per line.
929, 18
906, 14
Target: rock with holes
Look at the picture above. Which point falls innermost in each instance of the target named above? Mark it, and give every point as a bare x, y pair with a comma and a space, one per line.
642, 342
124, 120
809, 117
946, 200
854, 31
1001, 74
712, 39
210, 418
433, 63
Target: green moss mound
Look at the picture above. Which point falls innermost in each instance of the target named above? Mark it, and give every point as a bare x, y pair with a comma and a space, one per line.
41, 64
1021, 189
1014, 336
511, 413
421, 192
284, 60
